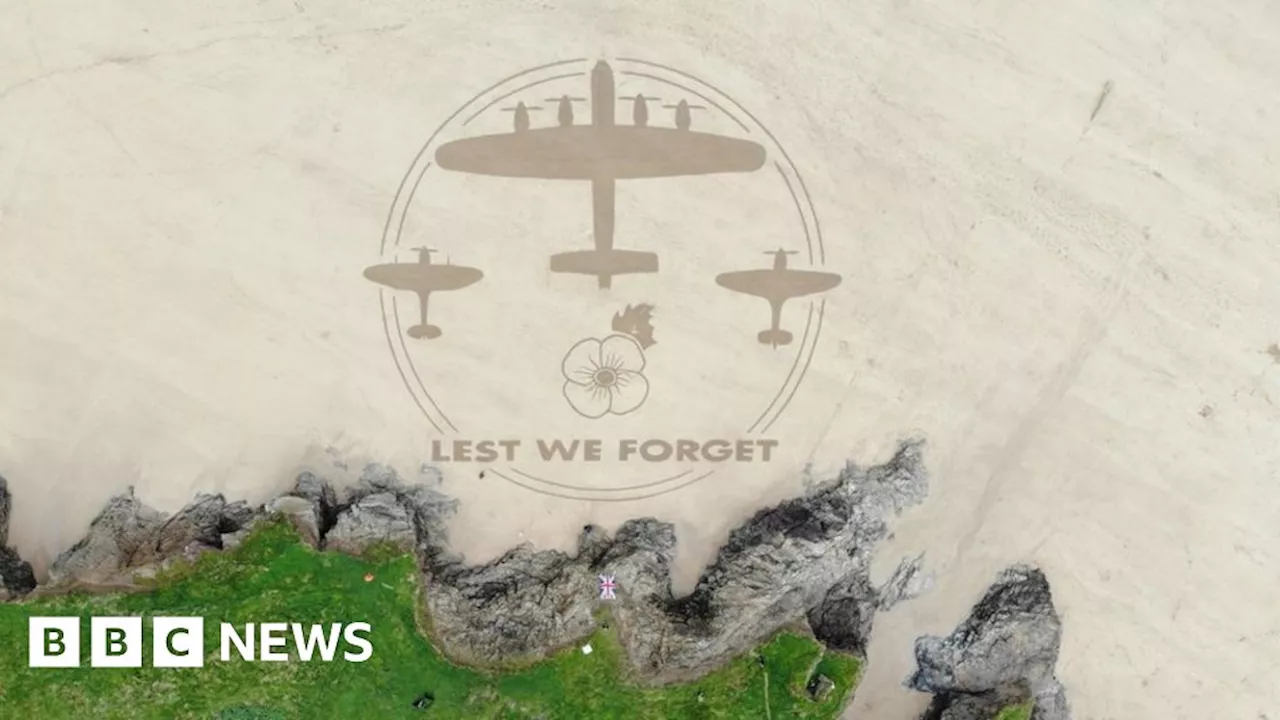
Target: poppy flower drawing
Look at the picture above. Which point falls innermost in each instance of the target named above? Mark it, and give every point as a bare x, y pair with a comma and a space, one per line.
604, 377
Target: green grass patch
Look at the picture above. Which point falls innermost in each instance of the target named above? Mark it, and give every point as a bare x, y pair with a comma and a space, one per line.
1016, 712
273, 577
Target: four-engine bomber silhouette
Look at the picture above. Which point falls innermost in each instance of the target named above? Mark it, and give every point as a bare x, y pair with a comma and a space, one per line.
603, 152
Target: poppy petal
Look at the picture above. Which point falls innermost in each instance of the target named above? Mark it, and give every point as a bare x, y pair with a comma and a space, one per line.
580, 363
629, 392
590, 401
621, 352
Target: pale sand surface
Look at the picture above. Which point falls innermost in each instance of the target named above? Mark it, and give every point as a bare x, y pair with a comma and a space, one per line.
1074, 313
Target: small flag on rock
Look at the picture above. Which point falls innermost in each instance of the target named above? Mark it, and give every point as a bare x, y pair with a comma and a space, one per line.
607, 586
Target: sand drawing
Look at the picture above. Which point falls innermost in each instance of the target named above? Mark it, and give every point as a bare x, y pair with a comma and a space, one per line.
598, 126
423, 278
636, 321
605, 376
601, 152
777, 285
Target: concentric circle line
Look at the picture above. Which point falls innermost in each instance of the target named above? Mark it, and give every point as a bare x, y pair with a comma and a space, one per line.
422, 151
822, 309
408, 202
686, 484
396, 359
808, 323
395, 311
642, 486
406, 194
804, 223
404, 210
803, 190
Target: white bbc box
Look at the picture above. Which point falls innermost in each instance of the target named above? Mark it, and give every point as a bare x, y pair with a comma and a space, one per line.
177, 642
53, 642
115, 642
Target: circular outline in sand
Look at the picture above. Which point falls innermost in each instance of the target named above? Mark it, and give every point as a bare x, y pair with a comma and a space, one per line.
798, 192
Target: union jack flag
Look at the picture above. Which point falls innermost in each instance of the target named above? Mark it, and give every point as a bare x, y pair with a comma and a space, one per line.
607, 586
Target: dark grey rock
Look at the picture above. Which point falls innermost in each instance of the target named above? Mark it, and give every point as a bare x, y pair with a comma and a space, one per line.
16, 576
6, 507
430, 510
1010, 640
843, 618
980, 706
236, 517
520, 606
311, 506
120, 537
375, 518
780, 564
772, 571
417, 519
639, 557
128, 536
528, 602
1051, 703
323, 499
907, 582
199, 523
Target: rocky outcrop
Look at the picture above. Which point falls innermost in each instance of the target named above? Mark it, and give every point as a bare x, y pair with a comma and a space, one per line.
806, 558
312, 507
129, 538
978, 706
528, 602
516, 607
777, 567
6, 507
843, 618
377, 517
382, 507
1002, 654
16, 576
774, 570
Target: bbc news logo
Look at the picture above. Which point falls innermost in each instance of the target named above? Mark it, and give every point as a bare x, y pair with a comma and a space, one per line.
179, 642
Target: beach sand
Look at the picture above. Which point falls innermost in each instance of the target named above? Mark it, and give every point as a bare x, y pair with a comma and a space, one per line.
1056, 229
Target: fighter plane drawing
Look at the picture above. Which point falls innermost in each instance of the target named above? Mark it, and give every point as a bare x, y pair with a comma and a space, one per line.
602, 153
777, 285
423, 277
